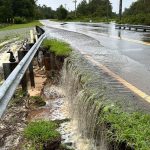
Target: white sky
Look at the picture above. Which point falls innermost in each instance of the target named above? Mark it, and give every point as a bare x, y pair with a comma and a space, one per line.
70, 5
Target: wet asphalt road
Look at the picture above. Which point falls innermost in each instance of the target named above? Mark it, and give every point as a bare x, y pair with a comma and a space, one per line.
126, 53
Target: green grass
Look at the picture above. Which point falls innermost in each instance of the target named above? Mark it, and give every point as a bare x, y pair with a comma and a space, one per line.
18, 26
37, 101
124, 123
41, 131
60, 48
132, 128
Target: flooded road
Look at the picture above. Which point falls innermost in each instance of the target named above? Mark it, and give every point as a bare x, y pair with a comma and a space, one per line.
125, 53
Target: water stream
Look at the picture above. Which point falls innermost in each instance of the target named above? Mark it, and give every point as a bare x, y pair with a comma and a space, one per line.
71, 100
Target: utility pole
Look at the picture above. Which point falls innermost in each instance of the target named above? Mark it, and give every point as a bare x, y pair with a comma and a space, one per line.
107, 8
65, 6
120, 10
75, 2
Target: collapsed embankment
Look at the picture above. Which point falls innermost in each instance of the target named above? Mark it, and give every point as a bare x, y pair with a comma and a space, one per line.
110, 118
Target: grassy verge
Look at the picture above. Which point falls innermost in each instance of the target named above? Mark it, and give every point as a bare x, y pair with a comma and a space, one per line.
60, 48
40, 132
18, 26
133, 129
123, 125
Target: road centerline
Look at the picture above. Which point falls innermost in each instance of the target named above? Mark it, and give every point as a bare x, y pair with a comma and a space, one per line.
128, 85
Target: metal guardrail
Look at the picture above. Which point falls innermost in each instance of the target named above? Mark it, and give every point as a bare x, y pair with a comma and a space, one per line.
129, 27
7, 89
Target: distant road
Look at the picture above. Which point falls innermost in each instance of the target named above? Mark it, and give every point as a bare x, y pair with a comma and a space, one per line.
124, 54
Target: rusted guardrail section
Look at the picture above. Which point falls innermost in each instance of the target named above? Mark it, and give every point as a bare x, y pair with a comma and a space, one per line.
7, 89
129, 27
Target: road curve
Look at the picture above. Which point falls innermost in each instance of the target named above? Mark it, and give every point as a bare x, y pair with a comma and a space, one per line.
123, 56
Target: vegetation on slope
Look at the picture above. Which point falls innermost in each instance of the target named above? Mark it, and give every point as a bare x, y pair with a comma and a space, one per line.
60, 48
133, 129
40, 132
125, 125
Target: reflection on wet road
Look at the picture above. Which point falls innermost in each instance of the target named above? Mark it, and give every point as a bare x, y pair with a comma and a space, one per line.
124, 52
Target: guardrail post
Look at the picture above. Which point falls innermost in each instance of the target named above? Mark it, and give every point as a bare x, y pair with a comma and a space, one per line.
31, 72
24, 81
8, 68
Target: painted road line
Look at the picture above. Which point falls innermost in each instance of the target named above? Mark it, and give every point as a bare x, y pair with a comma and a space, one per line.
122, 38
119, 79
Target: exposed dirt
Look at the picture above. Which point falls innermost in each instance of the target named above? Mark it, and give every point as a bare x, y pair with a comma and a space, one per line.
13, 123
40, 79
15, 118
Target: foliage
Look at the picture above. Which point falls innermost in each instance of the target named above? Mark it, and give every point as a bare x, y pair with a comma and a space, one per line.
19, 20
82, 9
41, 131
132, 128
17, 8
22, 10
95, 8
44, 12
138, 13
37, 100
61, 13
58, 47
18, 26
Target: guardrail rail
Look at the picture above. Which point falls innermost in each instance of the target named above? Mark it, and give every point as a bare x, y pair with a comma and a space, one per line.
7, 89
130, 27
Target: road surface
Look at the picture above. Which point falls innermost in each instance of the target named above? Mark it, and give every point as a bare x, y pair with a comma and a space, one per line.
124, 55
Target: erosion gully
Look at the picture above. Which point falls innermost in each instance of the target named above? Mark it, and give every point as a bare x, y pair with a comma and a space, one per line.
78, 95
66, 100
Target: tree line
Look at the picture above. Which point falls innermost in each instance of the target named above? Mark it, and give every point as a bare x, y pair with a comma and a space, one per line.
138, 13
20, 11
95, 9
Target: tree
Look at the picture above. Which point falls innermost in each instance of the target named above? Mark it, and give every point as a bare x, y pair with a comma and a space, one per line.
24, 8
61, 13
5, 15
138, 13
95, 8
17, 8
82, 8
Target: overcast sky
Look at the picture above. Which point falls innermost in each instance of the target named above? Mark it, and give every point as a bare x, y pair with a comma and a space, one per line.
70, 5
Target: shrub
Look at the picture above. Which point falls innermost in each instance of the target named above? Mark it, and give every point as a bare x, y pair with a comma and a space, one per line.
60, 48
41, 131
20, 20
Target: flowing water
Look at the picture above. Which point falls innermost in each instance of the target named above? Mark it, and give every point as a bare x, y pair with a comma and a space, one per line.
80, 97
71, 100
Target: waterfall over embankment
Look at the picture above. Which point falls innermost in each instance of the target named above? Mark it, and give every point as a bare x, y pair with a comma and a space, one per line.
90, 95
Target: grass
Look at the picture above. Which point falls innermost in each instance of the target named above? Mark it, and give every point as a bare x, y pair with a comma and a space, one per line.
41, 131
131, 128
125, 125
60, 48
37, 101
18, 26
18, 98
